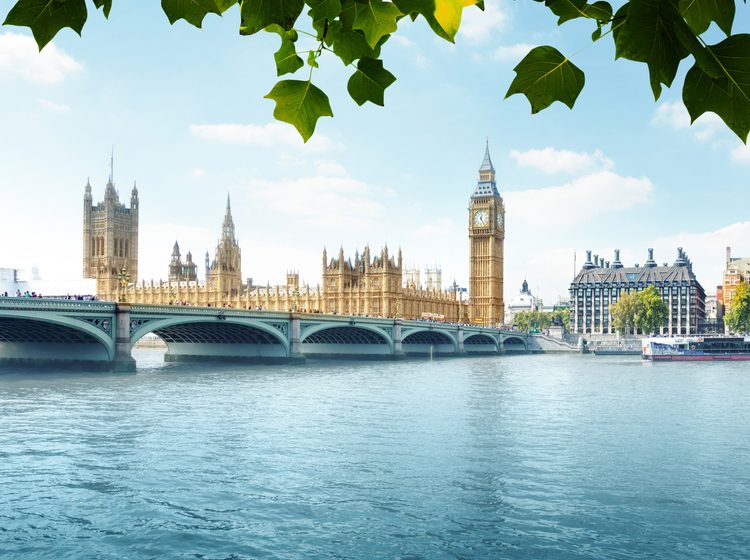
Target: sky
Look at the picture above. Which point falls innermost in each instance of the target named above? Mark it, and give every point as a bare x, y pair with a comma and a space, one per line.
184, 110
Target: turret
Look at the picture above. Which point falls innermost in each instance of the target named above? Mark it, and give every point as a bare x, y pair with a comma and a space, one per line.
617, 263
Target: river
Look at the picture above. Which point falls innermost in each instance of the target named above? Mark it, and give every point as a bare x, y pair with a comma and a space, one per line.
529, 457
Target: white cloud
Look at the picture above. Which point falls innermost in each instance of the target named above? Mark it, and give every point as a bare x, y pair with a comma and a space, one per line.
402, 41
197, 173
675, 115
552, 161
268, 135
54, 107
477, 26
512, 52
20, 57
329, 199
707, 250
589, 196
741, 154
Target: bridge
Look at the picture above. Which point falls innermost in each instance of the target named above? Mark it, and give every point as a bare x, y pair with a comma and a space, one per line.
101, 335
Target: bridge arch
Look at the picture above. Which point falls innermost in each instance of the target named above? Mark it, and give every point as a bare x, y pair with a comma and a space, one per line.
424, 341
480, 343
211, 337
514, 344
346, 340
38, 335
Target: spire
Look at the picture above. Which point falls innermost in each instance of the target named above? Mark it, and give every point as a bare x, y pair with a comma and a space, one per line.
176, 250
487, 161
112, 166
486, 186
228, 228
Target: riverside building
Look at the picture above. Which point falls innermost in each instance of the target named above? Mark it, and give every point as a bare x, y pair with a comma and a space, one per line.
373, 283
600, 284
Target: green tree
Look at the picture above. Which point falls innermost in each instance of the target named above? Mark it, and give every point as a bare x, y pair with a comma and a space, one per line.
659, 33
624, 312
737, 317
651, 310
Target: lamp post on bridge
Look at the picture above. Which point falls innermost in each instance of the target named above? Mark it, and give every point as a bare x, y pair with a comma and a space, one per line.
123, 278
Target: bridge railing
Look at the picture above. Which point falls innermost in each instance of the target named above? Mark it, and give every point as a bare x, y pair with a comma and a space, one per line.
50, 304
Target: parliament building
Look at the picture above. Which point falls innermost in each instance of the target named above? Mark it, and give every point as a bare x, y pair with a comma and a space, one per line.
373, 283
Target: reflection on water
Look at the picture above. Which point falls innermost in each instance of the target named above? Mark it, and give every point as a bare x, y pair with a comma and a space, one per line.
509, 457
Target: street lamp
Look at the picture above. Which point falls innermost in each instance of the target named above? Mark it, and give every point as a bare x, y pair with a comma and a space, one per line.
124, 277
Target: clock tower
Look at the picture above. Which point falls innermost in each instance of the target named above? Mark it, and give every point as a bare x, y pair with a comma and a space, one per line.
486, 239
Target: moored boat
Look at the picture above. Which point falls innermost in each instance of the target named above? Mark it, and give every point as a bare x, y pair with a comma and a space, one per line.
696, 348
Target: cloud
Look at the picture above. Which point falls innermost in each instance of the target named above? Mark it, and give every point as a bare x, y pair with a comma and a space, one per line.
54, 107
266, 136
675, 115
328, 199
707, 250
20, 57
402, 41
741, 154
197, 173
552, 161
591, 196
477, 26
512, 52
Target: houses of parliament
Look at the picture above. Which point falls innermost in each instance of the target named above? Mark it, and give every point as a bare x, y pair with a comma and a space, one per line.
374, 283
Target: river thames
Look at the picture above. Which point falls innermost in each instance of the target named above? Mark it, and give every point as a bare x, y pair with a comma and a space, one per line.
547, 456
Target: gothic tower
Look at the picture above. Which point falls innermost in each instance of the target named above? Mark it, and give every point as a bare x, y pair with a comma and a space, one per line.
110, 233
486, 239
225, 274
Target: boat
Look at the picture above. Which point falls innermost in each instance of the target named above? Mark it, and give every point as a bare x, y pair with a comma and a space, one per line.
696, 348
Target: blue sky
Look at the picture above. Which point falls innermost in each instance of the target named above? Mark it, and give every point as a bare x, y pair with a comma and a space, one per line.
185, 112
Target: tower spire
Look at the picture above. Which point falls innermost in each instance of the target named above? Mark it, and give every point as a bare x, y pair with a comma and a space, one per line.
486, 186
112, 166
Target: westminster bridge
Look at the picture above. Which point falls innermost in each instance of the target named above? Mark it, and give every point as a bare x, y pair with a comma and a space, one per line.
101, 335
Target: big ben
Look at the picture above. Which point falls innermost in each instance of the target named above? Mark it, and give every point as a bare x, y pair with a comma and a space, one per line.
486, 239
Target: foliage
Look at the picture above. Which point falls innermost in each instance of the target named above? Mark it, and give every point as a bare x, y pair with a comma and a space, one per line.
652, 310
737, 317
659, 33
530, 320
644, 310
623, 313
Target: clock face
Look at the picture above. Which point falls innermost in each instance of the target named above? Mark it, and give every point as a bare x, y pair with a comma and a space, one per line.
499, 219
481, 217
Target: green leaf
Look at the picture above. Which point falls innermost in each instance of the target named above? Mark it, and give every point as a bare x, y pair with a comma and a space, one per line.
324, 9
728, 96
193, 11
258, 14
312, 61
700, 13
300, 104
443, 16
105, 4
46, 17
349, 45
287, 60
376, 19
648, 35
545, 76
567, 10
368, 83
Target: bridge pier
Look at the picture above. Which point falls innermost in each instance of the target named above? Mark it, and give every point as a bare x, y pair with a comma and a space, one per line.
460, 350
122, 360
295, 353
398, 345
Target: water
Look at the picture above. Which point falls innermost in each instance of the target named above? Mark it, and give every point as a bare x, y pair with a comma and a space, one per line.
512, 457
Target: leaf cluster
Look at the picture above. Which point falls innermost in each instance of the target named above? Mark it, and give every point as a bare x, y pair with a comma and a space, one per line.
737, 317
660, 34
528, 320
354, 31
645, 311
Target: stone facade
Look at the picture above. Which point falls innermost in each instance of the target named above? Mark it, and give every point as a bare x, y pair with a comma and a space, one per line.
110, 234
486, 253
373, 284
599, 284
736, 270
